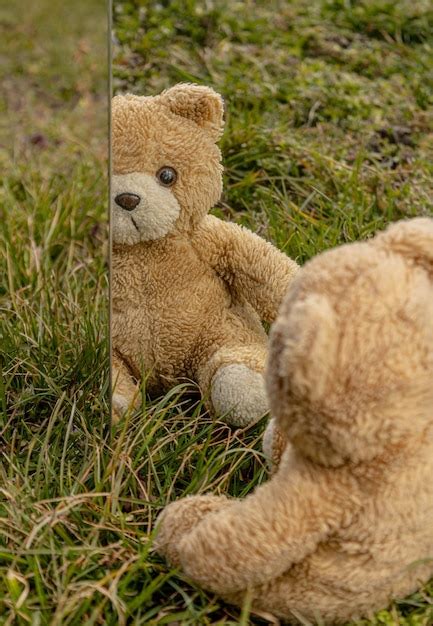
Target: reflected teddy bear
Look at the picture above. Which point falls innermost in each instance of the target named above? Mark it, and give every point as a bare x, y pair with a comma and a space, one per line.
346, 523
189, 291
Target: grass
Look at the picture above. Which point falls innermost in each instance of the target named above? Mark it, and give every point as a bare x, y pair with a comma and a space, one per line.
329, 137
53, 293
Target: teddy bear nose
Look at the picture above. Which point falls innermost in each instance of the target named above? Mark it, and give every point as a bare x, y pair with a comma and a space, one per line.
127, 201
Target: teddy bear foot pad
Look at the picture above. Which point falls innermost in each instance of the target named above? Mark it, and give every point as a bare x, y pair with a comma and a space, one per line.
238, 395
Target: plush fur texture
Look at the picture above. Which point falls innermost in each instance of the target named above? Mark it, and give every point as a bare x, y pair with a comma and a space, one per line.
346, 523
189, 291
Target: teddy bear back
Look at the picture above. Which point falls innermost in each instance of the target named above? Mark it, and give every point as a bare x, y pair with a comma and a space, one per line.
166, 159
350, 368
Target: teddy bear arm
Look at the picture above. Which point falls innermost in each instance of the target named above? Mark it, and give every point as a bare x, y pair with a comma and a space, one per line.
253, 541
254, 268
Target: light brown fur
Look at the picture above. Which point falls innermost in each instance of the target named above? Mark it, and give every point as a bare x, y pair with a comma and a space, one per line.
189, 291
346, 523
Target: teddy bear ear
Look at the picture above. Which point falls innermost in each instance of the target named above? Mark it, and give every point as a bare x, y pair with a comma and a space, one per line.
412, 238
197, 103
303, 346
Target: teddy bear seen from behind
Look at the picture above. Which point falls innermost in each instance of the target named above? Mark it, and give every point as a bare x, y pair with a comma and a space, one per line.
346, 523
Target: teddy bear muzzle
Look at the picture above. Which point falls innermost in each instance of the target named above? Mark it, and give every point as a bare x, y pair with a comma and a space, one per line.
127, 201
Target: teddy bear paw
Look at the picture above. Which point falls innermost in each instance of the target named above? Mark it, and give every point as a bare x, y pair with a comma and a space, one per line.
238, 395
121, 405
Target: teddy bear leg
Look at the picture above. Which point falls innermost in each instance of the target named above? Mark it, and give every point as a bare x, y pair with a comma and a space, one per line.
180, 517
233, 380
238, 393
125, 393
274, 444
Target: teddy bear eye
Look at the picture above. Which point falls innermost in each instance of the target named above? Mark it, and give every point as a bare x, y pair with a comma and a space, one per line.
167, 176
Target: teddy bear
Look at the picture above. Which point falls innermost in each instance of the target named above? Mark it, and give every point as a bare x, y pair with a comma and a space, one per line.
189, 291
345, 524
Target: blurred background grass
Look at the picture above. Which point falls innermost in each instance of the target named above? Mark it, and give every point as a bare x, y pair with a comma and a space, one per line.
329, 118
54, 402
328, 138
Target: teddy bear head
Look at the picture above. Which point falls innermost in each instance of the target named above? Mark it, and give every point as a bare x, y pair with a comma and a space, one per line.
350, 369
166, 166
